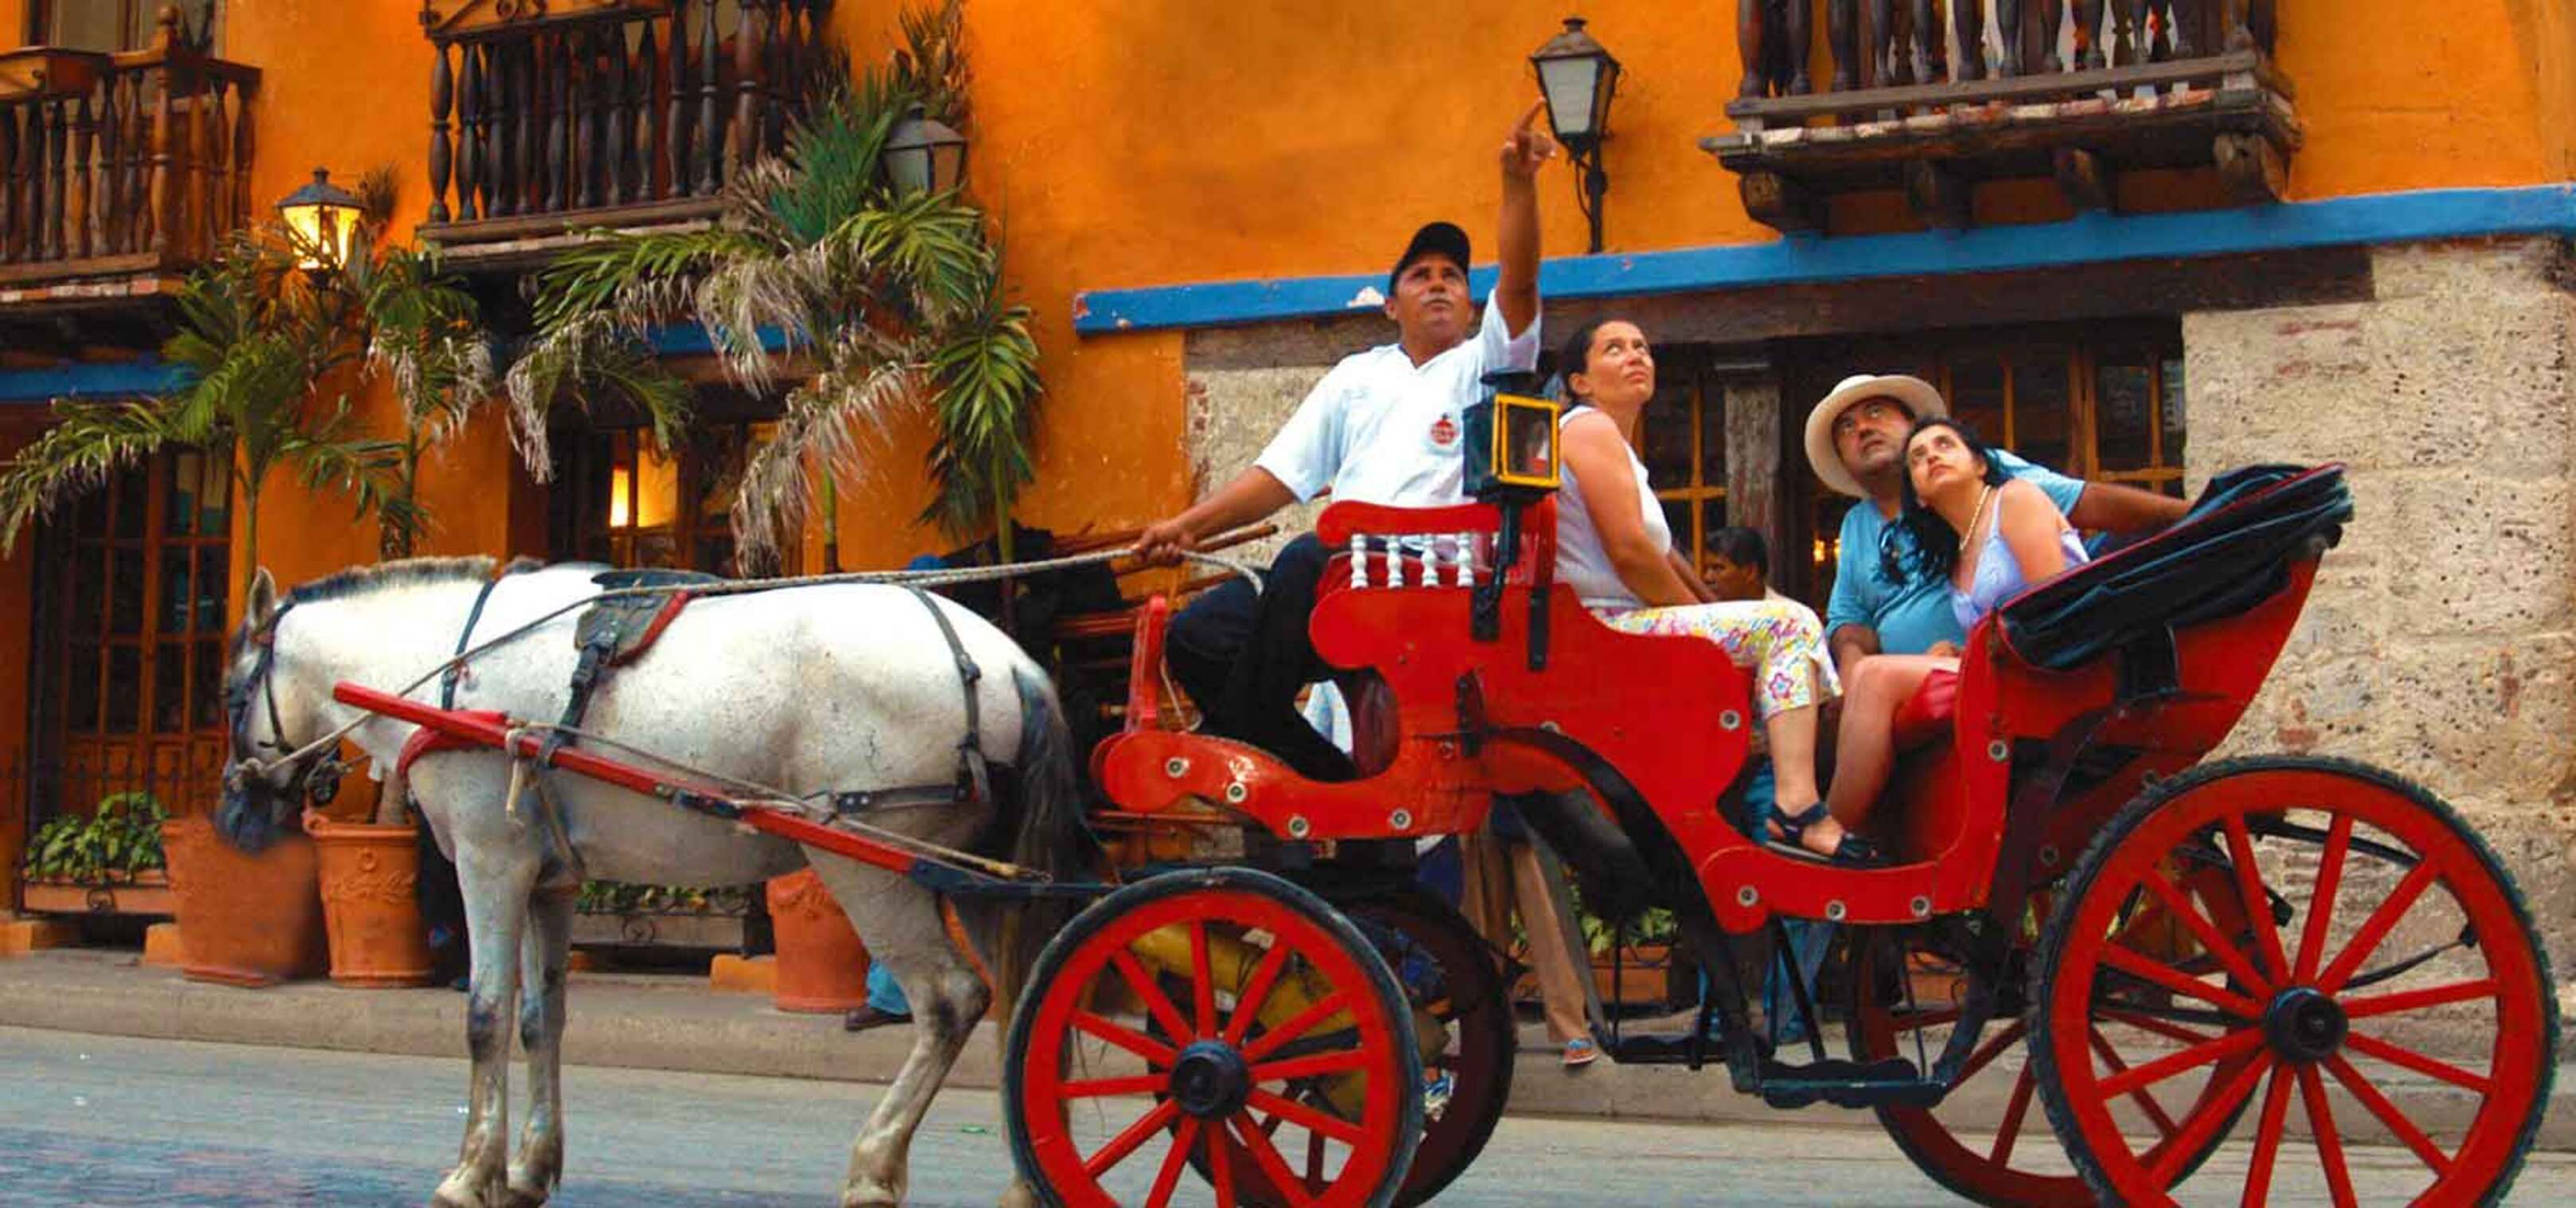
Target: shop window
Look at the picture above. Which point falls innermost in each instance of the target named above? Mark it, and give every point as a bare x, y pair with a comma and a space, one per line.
623, 501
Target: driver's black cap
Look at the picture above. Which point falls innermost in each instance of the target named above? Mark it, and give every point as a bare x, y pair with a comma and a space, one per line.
1435, 238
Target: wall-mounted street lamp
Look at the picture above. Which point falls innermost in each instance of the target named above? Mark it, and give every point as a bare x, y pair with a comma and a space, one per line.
923, 154
1577, 76
324, 217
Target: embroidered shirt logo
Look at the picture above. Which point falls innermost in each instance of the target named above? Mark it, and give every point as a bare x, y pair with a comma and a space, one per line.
1444, 433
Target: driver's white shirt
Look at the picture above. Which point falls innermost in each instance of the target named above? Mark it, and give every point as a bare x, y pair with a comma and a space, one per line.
1380, 429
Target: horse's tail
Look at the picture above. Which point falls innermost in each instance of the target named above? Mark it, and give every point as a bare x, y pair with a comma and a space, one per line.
1050, 836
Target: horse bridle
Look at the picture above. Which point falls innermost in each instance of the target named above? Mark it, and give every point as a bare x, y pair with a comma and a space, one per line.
317, 775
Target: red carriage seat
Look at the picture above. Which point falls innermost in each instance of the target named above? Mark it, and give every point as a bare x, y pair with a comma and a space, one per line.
1925, 716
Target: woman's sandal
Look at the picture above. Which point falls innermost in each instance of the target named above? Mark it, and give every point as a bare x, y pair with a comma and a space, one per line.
1853, 852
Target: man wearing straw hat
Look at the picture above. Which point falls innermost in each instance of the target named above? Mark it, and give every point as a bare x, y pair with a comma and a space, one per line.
1856, 442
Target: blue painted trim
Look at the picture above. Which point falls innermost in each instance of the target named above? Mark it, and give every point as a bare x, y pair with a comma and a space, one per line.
689, 340
2086, 239
106, 379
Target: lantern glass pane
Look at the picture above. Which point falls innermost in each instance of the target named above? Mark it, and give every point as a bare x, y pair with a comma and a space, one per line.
950, 161
910, 169
1569, 84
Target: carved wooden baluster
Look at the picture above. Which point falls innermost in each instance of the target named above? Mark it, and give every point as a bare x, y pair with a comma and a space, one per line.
675, 152
1795, 23
8, 184
165, 184
442, 95
2051, 18
241, 158
648, 115
111, 166
1842, 37
58, 187
137, 142
2012, 47
218, 174
582, 147
2155, 31
2088, 34
1968, 39
1750, 50
2261, 22
1886, 66
469, 133
748, 44
613, 117
554, 76
711, 134
84, 212
204, 125
1923, 40
2126, 15
2184, 20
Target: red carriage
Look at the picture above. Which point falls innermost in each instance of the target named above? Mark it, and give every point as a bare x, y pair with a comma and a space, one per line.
2175, 945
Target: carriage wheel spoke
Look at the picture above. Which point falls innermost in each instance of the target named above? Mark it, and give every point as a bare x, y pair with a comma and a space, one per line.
1272, 1040
2146, 1102
1094, 1088
2389, 1115
2312, 1091
2418, 1062
1314, 1159
2170, 1064
2321, 902
1157, 1004
2267, 1138
1320, 1123
2178, 905
2149, 1023
1125, 1143
2410, 1000
2014, 1111
1154, 1052
1266, 1157
2207, 1118
1202, 978
1169, 1176
2258, 905
1220, 1160
2376, 928
1990, 1050
1311, 1065
1247, 1005
2146, 968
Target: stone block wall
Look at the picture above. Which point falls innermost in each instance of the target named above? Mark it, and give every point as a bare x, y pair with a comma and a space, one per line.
2441, 638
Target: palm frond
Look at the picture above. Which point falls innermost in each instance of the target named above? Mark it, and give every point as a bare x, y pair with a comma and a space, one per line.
639, 279
930, 246
823, 425
87, 443
586, 360
984, 383
932, 63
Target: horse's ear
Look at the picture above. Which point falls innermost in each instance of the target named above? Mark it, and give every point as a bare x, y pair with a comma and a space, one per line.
262, 602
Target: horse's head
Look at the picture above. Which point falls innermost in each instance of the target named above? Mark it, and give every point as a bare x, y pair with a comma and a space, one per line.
266, 780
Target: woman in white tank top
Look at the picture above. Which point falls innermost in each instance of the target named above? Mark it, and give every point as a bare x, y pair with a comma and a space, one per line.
1615, 550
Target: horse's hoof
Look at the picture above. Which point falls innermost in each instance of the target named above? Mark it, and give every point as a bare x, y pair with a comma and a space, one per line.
519, 1195
870, 1195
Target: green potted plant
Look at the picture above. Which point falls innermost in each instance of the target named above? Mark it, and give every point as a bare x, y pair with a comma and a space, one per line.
109, 862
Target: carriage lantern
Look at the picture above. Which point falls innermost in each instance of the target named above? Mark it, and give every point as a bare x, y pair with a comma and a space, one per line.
324, 218
1511, 463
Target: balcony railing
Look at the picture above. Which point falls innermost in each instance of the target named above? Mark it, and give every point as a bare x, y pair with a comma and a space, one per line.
610, 113
119, 165
2076, 89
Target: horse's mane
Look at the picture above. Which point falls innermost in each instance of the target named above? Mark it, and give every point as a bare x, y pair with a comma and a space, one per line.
360, 580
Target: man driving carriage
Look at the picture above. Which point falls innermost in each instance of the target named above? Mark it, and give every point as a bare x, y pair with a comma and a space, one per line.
1382, 427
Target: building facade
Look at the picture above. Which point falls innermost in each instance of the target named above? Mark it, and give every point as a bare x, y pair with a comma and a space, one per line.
2187, 237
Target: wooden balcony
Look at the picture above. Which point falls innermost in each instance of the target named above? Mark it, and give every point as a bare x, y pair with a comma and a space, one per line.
2078, 90
118, 172
547, 119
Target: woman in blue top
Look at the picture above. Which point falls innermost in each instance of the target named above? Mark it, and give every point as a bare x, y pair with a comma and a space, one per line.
1989, 535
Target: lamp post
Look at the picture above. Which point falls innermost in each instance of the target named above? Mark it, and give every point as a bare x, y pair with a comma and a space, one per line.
1577, 76
924, 155
324, 218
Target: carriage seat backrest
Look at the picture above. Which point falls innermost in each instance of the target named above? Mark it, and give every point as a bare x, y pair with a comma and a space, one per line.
2231, 552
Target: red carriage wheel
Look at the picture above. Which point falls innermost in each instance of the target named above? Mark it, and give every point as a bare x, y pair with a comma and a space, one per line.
2014, 1162
1290, 1061
2381, 943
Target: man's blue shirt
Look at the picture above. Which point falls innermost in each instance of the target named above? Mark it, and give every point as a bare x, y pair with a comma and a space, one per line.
1913, 616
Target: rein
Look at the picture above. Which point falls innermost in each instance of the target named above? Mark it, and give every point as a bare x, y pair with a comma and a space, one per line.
249, 766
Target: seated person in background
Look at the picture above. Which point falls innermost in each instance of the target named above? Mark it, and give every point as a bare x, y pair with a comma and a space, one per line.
1737, 565
1977, 528
1615, 550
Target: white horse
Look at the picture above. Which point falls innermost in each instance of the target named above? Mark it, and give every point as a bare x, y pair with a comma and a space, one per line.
810, 690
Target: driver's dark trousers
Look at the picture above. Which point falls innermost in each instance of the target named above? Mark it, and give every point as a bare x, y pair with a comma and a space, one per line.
1243, 656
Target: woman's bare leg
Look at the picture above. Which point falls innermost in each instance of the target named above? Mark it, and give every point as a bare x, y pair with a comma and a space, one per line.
1865, 747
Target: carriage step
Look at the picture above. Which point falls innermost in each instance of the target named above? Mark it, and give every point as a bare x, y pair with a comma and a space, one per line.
1665, 1049
1893, 1082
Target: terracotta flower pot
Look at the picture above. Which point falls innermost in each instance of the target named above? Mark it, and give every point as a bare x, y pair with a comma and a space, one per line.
246, 920
822, 967
370, 901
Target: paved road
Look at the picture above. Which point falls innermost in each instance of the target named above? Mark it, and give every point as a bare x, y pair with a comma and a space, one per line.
114, 1121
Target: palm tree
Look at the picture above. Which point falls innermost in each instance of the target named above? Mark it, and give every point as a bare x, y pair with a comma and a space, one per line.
258, 339
424, 335
821, 276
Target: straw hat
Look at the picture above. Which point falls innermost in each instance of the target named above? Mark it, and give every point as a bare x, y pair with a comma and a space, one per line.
1914, 393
